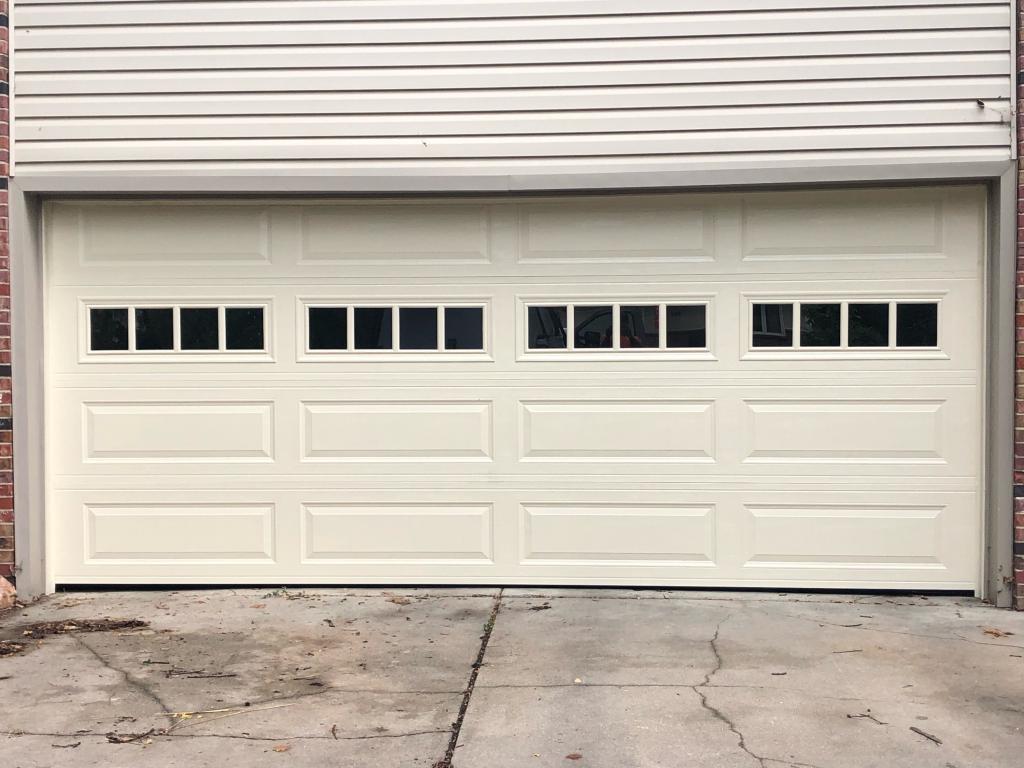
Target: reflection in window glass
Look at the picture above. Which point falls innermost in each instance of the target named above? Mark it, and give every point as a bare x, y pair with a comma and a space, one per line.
686, 326
464, 328
108, 329
328, 328
773, 325
917, 325
199, 328
154, 328
244, 326
417, 328
638, 327
546, 327
819, 325
373, 327
593, 327
869, 325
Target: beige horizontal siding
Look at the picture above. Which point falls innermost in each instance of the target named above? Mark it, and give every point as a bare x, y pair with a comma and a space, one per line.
499, 85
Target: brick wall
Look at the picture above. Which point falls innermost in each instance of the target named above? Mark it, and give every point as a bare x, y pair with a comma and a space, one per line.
1018, 458
6, 468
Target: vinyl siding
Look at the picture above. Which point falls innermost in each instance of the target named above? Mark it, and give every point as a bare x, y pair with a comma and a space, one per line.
503, 87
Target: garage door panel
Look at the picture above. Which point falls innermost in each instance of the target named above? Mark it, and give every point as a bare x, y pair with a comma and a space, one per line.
397, 533
181, 533
196, 431
403, 431
594, 534
586, 430
911, 232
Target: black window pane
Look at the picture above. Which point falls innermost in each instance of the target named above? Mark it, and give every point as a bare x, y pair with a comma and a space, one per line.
773, 325
687, 326
154, 328
328, 328
917, 325
638, 327
108, 329
464, 328
593, 327
417, 328
373, 327
244, 327
546, 328
869, 325
819, 325
199, 328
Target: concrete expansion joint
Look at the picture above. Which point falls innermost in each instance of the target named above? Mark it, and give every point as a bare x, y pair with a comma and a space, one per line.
456, 730
132, 681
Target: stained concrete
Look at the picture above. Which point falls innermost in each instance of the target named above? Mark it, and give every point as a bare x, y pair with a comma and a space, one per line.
606, 678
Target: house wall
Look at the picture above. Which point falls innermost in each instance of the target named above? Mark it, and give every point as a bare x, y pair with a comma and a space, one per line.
507, 87
501, 87
6, 470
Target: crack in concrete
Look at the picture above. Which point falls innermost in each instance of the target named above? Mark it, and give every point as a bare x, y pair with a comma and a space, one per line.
241, 737
130, 679
715, 711
330, 689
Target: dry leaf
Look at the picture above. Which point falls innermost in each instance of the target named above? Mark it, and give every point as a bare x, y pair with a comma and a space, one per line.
574, 756
578, 681
281, 747
993, 632
258, 605
399, 600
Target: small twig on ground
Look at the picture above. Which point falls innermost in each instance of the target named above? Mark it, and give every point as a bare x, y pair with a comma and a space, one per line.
931, 737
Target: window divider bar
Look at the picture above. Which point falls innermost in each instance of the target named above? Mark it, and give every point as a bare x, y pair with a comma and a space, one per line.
350, 328
176, 328
396, 329
222, 328
662, 326
844, 323
797, 321
570, 327
892, 325
616, 327
440, 327
131, 328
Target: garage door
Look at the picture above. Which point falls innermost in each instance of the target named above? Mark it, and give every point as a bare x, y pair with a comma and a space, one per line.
762, 389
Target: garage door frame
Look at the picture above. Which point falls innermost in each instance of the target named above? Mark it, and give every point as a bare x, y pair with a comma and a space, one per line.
28, 308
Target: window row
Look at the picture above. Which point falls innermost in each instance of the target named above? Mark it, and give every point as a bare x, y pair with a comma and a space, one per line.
559, 326
846, 325
411, 329
616, 326
177, 329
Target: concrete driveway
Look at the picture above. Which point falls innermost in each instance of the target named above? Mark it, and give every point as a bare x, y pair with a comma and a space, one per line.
501, 679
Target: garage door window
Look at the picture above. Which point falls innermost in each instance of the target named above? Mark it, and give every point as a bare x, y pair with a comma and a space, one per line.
621, 327
843, 325
176, 329
392, 328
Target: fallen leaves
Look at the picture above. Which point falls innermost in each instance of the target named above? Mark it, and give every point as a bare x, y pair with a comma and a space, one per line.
398, 600
574, 756
282, 747
44, 628
993, 632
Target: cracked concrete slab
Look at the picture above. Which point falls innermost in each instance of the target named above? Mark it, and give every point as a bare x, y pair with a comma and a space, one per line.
605, 678
747, 679
349, 678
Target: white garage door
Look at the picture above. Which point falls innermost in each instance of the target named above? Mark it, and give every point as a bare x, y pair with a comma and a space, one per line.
773, 388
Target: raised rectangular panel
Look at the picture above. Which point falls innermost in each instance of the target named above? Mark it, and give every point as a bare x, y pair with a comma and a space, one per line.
396, 431
178, 432
844, 536
172, 234
623, 229
397, 532
644, 533
828, 225
195, 533
618, 430
390, 234
855, 431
